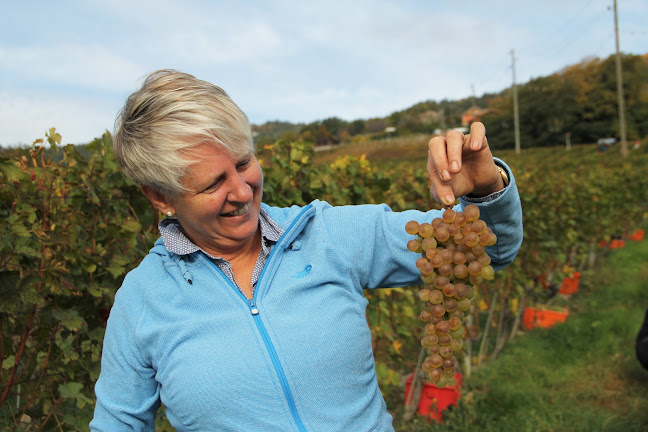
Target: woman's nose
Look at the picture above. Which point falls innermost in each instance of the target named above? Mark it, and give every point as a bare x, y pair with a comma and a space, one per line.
240, 190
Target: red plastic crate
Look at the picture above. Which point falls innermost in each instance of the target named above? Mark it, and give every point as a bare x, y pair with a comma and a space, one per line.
638, 235
435, 400
535, 317
570, 284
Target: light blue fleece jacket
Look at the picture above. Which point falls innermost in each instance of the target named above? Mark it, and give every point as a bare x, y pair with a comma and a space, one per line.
298, 356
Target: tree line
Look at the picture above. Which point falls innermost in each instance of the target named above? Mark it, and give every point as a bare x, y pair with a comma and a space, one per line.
578, 103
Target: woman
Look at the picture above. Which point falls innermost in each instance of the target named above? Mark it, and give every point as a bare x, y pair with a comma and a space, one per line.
247, 317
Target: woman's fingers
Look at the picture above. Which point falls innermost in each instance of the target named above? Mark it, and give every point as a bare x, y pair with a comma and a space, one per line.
447, 156
477, 137
439, 170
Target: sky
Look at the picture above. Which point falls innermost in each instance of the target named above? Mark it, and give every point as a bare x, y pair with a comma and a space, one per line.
72, 64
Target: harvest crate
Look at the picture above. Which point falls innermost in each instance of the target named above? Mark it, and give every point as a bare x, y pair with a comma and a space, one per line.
435, 400
537, 317
638, 235
570, 284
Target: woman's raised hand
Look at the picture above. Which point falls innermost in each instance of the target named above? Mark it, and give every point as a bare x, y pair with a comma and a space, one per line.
461, 164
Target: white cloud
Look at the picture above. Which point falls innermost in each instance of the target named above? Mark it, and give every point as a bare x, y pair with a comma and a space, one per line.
290, 60
26, 117
89, 66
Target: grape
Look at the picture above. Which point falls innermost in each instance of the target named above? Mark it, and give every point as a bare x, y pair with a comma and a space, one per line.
438, 310
412, 227
457, 314
430, 340
458, 238
436, 222
447, 255
455, 323
449, 216
441, 281
424, 294
471, 239
443, 328
445, 351
434, 349
442, 234
450, 305
460, 219
436, 297
449, 290
420, 262
435, 376
472, 212
414, 245
474, 268
430, 329
456, 344
445, 269
487, 239
464, 305
484, 260
478, 250
487, 272
478, 227
435, 360
427, 268
448, 375
437, 260
457, 334
444, 341
452, 262
461, 290
460, 271
425, 230
428, 243
448, 363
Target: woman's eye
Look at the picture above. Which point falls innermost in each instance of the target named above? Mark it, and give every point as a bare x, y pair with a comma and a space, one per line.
244, 164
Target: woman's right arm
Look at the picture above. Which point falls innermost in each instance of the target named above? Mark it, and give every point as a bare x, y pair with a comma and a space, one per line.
128, 395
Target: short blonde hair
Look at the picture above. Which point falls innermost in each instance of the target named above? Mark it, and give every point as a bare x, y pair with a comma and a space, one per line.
165, 119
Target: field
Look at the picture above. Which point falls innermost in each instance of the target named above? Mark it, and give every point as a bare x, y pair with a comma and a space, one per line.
74, 226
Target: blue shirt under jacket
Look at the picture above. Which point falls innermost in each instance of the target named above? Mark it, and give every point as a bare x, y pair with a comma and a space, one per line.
296, 357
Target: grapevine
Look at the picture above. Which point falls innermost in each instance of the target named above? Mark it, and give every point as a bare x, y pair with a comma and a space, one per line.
453, 262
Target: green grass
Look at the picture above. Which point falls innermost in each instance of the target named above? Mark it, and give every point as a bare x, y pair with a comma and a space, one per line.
581, 375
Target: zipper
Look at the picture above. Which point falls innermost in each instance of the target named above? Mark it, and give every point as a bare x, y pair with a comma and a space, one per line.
254, 311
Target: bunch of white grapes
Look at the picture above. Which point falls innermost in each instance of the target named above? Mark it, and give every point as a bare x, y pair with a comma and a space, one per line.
453, 263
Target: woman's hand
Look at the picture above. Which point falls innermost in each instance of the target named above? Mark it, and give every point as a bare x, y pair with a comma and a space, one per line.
461, 164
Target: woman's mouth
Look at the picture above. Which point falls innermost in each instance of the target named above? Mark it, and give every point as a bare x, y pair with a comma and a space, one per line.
238, 212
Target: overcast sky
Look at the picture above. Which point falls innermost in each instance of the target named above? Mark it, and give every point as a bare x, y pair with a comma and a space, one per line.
71, 64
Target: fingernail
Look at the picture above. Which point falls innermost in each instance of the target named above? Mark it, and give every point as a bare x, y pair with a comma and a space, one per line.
445, 175
475, 145
454, 166
448, 200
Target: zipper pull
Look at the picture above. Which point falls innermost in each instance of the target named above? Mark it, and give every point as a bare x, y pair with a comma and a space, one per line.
253, 309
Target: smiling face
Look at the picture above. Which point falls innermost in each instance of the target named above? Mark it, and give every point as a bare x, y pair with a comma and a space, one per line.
219, 212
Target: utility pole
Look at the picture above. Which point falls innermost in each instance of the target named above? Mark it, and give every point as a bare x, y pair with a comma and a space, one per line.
516, 113
474, 99
619, 76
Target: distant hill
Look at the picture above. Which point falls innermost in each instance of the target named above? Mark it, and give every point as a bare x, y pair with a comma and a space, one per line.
579, 102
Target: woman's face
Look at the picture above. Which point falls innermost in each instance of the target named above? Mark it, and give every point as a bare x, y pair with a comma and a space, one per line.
219, 212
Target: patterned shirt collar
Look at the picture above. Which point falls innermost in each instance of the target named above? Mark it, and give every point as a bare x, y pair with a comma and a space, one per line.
177, 242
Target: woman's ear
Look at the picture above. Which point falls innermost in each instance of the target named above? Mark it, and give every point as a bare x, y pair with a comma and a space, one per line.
158, 199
